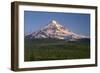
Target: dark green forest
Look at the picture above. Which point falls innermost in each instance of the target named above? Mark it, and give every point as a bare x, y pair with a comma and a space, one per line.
54, 49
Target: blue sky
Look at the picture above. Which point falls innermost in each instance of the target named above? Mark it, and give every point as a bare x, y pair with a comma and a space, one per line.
76, 22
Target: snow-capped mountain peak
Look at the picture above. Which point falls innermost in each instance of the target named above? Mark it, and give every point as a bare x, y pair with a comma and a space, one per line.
53, 24
53, 21
55, 30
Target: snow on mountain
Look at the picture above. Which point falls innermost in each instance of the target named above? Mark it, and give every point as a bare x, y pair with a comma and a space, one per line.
57, 31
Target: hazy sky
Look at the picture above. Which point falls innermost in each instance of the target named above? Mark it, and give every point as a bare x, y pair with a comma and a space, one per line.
76, 22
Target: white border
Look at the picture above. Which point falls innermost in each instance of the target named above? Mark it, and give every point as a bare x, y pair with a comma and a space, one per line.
23, 64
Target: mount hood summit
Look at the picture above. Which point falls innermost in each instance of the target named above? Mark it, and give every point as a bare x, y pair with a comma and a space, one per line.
54, 30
